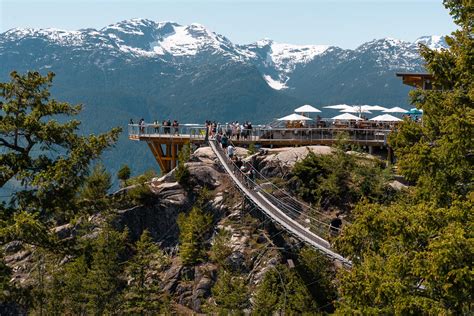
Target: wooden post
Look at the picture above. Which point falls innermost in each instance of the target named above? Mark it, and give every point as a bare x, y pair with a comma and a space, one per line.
173, 155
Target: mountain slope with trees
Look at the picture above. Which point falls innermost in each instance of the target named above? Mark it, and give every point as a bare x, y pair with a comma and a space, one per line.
144, 69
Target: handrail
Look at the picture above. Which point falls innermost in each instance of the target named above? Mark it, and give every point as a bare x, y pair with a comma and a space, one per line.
264, 201
269, 134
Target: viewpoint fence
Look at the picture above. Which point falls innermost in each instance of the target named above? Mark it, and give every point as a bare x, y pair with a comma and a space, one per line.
265, 134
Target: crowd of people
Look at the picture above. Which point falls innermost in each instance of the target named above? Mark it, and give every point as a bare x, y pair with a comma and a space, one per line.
246, 169
233, 130
167, 126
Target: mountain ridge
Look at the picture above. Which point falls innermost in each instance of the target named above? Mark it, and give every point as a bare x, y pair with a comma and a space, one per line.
139, 68
149, 39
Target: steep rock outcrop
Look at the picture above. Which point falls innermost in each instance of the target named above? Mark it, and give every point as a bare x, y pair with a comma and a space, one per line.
278, 162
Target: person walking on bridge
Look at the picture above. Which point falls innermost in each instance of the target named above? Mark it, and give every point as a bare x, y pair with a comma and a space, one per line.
230, 151
224, 142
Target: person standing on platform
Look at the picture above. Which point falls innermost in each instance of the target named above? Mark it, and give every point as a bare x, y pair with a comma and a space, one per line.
176, 127
141, 123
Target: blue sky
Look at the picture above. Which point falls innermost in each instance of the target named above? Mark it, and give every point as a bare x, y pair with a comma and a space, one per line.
345, 23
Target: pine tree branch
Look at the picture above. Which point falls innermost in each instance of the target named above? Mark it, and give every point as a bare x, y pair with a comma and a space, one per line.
11, 146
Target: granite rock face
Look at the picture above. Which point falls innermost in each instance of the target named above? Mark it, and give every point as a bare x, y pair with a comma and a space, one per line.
252, 251
159, 217
279, 162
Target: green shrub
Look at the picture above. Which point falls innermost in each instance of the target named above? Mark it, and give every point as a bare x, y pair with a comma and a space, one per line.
220, 249
340, 179
182, 173
193, 228
124, 174
230, 293
283, 291
252, 149
141, 194
143, 178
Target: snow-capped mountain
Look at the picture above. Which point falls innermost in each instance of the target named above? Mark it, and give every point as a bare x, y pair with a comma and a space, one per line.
434, 42
141, 38
277, 61
157, 70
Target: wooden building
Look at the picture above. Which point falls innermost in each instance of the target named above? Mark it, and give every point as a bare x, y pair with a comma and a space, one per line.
417, 80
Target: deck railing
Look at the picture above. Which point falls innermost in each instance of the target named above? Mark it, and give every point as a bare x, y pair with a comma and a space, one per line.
184, 130
269, 134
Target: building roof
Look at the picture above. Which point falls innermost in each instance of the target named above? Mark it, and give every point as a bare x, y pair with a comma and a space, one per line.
415, 79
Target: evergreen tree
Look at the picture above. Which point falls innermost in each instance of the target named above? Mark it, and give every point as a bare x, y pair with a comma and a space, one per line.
142, 295
97, 184
220, 249
48, 158
124, 174
65, 292
182, 173
72, 280
283, 291
437, 154
93, 194
230, 293
103, 283
415, 256
318, 272
408, 259
193, 229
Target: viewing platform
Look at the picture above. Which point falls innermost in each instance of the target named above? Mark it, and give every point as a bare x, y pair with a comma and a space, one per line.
166, 142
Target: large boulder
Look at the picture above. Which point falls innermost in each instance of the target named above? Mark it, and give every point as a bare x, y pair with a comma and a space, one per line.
205, 175
279, 162
203, 154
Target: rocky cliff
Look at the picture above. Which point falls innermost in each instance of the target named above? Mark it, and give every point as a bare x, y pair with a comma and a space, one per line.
255, 244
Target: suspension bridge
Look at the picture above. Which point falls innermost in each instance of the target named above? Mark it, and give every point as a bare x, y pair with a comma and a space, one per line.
297, 218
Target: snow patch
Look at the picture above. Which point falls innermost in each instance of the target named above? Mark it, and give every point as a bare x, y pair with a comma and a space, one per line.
296, 53
434, 42
277, 85
179, 43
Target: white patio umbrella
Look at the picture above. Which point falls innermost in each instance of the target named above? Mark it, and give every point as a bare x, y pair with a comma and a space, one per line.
374, 107
307, 109
395, 110
295, 117
338, 106
385, 118
355, 109
346, 117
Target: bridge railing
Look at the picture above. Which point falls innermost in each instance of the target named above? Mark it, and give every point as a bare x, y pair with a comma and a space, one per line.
318, 223
274, 135
313, 233
309, 134
188, 130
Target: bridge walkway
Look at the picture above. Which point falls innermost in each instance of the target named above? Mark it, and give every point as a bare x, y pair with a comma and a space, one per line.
281, 214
